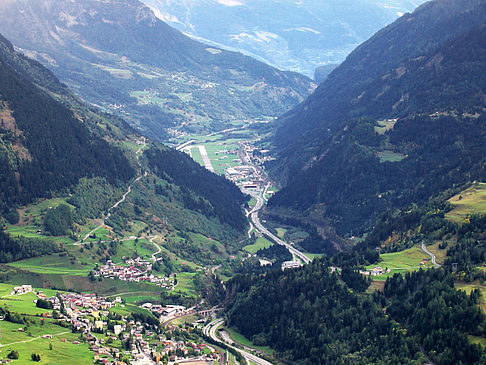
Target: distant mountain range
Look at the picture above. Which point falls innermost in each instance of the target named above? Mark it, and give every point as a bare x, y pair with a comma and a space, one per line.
120, 56
291, 35
402, 119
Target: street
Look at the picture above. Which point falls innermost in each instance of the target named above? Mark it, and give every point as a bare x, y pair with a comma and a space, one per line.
210, 331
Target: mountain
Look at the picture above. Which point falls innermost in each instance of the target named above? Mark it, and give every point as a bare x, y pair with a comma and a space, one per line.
291, 35
45, 146
401, 120
64, 165
120, 56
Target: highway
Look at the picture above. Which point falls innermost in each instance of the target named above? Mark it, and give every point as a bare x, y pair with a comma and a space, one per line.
260, 202
210, 331
261, 228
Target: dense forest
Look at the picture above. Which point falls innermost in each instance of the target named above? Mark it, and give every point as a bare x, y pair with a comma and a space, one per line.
44, 147
311, 316
220, 197
18, 248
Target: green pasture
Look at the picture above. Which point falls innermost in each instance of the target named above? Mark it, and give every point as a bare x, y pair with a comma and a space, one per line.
185, 284
143, 248
467, 202
239, 338
22, 304
403, 261
260, 243
312, 256
196, 155
32, 220
468, 287
281, 232
52, 264
31, 341
384, 126
390, 156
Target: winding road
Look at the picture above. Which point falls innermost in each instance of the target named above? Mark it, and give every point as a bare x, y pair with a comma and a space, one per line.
210, 331
114, 206
424, 248
154, 258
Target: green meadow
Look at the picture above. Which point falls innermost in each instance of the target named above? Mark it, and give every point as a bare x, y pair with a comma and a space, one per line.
260, 243
31, 341
468, 287
403, 261
239, 338
185, 284
467, 202
52, 264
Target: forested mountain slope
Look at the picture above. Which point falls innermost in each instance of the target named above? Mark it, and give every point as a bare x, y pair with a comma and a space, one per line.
400, 120
54, 146
45, 146
119, 55
310, 316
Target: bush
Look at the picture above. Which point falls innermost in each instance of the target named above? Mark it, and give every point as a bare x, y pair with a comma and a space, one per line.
14, 355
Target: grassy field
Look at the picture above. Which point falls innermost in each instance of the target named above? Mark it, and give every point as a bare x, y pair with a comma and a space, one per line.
127, 309
384, 126
312, 256
469, 201
52, 264
440, 255
63, 352
143, 248
23, 304
196, 155
32, 217
218, 147
219, 156
281, 232
258, 245
407, 260
376, 285
468, 287
478, 340
238, 337
185, 284
390, 156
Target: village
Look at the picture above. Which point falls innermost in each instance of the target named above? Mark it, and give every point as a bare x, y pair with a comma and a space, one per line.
118, 339
135, 270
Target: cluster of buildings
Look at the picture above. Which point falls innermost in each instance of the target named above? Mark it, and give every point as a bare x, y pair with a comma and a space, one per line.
88, 314
135, 270
250, 175
243, 175
291, 264
168, 311
378, 270
21, 289
78, 305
